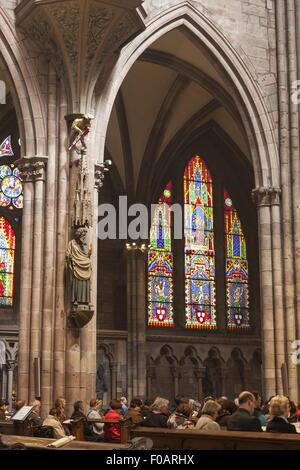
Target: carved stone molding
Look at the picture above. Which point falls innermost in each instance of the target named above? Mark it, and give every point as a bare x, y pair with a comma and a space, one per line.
32, 169
80, 36
266, 196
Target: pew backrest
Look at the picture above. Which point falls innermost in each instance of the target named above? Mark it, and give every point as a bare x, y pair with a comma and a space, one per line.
192, 439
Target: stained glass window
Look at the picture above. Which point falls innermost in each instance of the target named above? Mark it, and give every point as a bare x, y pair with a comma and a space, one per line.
160, 264
200, 299
7, 259
11, 188
237, 279
6, 148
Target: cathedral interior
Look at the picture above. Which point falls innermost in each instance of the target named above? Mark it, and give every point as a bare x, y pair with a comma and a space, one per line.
190, 105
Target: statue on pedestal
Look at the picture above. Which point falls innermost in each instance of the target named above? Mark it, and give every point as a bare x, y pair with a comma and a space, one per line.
79, 262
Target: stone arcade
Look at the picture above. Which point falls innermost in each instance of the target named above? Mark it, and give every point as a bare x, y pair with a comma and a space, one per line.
166, 81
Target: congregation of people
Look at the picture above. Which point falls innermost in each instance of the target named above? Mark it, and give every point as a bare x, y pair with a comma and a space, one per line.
245, 413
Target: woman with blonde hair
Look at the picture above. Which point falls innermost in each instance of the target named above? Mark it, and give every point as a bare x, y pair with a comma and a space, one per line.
207, 421
279, 412
158, 416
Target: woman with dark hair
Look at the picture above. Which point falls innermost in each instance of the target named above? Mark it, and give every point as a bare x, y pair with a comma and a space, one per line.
79, 414
181, 418
228, 407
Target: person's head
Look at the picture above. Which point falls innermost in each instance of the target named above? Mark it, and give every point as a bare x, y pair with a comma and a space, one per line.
60, 403
148, 403
54, 412
160, 405
115, 405
293, 408
123, 400
95, 403
136, 403
209, 398
211, 408
228, 406
78, 406
180, 399
36, 406
280, 406
185, 409
257, 399
247, 401
20, 404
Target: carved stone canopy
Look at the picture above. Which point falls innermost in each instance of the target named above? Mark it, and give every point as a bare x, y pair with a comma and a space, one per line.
80, 36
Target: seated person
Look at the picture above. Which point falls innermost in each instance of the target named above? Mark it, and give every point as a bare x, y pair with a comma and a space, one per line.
257, 410
279, 412
146, 407
134, 411
34, 416
207, 421
94, 413
180, 419
52, 420
60, 404
112, 432
79, 414
158, 416
243, 419
3, 409
228, 407
124, 405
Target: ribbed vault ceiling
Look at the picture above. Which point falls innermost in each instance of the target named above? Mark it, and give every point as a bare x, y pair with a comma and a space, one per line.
172, 85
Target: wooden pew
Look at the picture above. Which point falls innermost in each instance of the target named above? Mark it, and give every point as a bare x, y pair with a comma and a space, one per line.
41, 444
190, 439
6, 427
77, 427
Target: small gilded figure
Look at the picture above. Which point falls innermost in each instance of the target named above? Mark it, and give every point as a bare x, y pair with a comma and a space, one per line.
80, 128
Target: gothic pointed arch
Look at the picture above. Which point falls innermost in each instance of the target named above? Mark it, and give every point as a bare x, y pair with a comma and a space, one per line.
231, 61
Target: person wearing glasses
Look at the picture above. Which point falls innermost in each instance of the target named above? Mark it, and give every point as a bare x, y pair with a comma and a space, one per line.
243, 418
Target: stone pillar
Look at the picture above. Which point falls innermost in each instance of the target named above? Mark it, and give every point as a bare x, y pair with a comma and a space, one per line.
149, 373
270, 365
199, 376
61, 242
10, 368
113, 373
51, 200
175, 374
136, 320
4, 381
33, 174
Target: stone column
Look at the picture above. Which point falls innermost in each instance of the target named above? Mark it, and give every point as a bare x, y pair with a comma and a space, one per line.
136, 320
175, 374
52, 184
37, 275
262, 198
10, 368
4, 381
113, 373
149, 373
61, 242
33, 174
199, 375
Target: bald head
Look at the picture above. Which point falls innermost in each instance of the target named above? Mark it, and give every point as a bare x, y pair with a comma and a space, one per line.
247, 401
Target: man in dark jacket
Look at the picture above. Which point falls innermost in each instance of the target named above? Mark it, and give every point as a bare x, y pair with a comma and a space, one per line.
243, 419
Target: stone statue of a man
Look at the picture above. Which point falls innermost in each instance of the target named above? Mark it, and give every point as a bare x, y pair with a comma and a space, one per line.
79, 262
